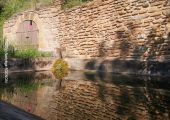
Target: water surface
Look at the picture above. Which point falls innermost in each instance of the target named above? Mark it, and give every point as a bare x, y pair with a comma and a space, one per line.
87, 96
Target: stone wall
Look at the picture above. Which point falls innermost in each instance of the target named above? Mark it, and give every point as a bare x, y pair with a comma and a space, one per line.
117, 29
105, 29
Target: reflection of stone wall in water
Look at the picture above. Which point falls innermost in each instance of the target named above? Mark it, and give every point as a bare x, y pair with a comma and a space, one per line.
93, 96
87, 100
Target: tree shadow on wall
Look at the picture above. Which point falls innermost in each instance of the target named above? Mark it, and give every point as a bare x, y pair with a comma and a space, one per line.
124, 43
130, 99
129, 46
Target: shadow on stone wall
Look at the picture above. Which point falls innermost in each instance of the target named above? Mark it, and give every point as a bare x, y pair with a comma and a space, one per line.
26, 64
145, 57
154, 47
152, 53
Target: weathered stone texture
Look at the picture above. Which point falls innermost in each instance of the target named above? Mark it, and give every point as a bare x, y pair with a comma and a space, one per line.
86, 100
112, 28
128, 29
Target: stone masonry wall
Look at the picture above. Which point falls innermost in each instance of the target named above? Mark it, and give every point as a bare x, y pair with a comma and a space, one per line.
136, 29
102, 29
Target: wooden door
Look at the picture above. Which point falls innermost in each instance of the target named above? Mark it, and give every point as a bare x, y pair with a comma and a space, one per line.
27, 35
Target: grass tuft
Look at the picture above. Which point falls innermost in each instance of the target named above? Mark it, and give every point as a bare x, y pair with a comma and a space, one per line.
31, 53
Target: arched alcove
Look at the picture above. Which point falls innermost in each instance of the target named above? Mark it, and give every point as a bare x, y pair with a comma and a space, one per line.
21, 28
27, 35
18, 33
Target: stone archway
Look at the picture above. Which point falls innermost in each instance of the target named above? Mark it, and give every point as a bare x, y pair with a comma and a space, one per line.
27, 35
22, 21
47, 38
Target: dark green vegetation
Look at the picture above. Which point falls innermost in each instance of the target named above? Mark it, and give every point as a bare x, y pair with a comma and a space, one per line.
20, 85
31, 53
1, 48
71, 3
60, 69
26, 53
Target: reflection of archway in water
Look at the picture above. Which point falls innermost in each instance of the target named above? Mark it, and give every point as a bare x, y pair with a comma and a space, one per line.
27, 35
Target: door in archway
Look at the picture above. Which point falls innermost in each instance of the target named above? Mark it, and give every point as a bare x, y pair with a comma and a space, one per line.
27, 35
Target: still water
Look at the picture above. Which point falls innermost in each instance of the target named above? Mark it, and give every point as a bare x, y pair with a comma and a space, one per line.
84, 96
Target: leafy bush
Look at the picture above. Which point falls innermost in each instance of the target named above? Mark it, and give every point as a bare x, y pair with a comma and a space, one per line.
60, 68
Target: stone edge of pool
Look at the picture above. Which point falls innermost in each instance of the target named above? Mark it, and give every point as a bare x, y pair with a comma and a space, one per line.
137, 67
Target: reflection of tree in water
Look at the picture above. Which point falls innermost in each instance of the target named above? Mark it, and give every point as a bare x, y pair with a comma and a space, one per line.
19, 89
22, 83
25, 82
24, 89
157, 100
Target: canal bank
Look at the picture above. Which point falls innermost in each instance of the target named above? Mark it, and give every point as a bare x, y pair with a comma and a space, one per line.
120, 66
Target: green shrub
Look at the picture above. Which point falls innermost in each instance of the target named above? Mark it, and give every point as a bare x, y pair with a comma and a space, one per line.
31, 53
71, 3
60, 69
27, 53
29, 87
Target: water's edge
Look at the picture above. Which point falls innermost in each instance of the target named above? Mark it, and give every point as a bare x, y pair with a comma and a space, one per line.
134, 67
